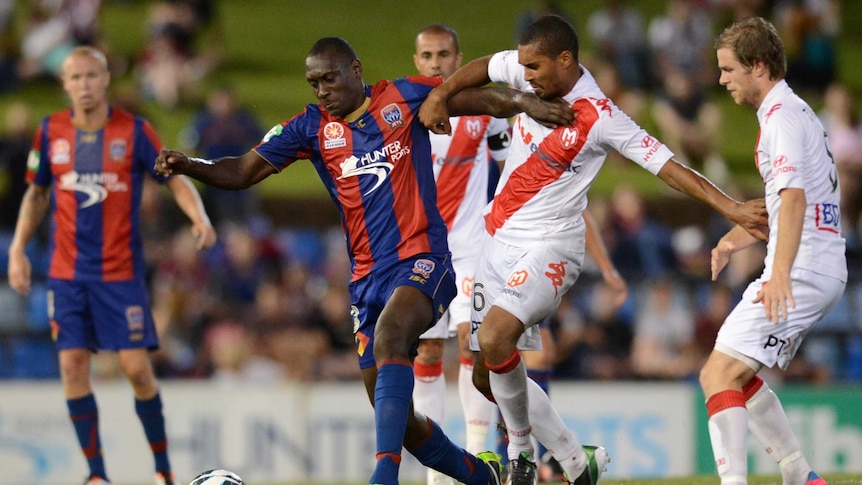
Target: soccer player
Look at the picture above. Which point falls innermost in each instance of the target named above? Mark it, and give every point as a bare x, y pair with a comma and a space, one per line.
535, 247
374, 157
88, 165
805, 269
462, 169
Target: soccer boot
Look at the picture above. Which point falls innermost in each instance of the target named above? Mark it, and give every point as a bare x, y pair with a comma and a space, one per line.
95, 480
814, 479
165, 478
522, 471
493, 461
597, 463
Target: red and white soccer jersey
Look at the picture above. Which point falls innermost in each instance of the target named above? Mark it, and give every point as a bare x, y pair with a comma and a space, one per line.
792, 152
461, 169
536, 252
543, 188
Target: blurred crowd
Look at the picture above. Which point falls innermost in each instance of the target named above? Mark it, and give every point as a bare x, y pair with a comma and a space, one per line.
270, 303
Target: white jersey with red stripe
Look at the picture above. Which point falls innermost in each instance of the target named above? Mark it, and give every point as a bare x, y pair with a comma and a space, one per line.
543, 188
793, 152
461, 169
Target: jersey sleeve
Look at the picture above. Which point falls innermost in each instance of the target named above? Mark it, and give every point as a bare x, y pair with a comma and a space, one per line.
415, 89
784, 133
290, 140
618, 131
38, 165
504, 68
499, 136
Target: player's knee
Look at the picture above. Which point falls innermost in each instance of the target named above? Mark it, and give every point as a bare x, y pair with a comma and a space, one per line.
430, 351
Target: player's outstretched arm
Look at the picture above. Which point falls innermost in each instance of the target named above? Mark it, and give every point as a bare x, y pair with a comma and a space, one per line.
505, 102
434, 112
232, 173
751, 215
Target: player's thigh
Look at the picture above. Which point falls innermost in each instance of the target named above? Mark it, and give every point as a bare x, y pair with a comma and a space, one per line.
71, 319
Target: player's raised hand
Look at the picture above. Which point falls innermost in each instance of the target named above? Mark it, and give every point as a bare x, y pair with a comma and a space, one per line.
434, 114
170, 162
551, 113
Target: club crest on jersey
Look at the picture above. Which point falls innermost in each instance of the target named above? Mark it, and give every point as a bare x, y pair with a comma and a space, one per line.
61, 151
118, 150
569, 137
473, 127
392, 115
423, 267
334, 134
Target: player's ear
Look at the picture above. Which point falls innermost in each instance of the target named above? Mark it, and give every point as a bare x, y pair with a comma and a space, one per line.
566, 59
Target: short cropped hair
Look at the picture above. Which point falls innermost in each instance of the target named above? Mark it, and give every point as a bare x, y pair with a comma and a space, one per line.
754, 40
552, 35
443, 29
340, 48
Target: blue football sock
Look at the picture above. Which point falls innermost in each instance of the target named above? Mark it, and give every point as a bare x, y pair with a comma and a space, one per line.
85, 419
441, 454
150, 414
392, 395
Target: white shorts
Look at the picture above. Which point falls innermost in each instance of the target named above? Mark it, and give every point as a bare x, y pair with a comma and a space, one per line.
747, 331
459, 309
526, 281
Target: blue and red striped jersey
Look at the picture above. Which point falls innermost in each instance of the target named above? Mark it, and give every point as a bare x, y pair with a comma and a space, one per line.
377, 169
97, 179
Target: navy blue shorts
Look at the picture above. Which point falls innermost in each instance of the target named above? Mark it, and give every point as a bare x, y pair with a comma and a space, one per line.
431, 273
100, 315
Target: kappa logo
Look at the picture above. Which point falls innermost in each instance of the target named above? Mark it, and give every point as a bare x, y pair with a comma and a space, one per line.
556, 274
771, 110
517, 278
392, 115
604, 104
334, 134
61, 151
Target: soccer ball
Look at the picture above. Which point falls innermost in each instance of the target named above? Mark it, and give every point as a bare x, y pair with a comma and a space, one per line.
217, 477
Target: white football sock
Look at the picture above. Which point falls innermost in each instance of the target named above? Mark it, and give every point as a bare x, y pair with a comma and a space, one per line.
510, 392
477, 410
429, 391
770, 425
549, 429
728, 428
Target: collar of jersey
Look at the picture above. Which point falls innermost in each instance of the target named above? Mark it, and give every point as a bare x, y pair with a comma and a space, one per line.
359, 111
